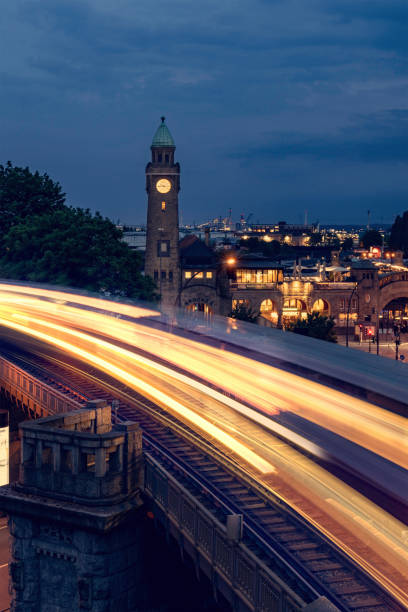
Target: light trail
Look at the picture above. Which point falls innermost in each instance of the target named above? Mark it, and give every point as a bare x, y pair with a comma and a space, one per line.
366, 533
269, 389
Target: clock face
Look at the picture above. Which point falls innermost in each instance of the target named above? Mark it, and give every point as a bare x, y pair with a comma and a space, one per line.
163, 185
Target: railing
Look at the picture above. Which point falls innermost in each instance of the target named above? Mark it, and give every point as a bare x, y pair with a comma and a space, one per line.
41, 398
346, 285
393, 278
254, 285
256, 585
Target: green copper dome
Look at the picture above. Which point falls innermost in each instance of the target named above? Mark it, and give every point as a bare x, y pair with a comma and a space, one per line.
162, 137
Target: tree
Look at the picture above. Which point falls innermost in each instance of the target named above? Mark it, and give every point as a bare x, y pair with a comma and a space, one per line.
44, 240
315, 239
315, 326
23, 194
399, 234
243, 312
347, 244
252, 243
371, 238
271, 249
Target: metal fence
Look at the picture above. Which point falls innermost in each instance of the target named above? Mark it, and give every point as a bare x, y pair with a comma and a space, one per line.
253, 586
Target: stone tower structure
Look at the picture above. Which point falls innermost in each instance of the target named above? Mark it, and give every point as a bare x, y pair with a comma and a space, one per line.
74, 515
162, 235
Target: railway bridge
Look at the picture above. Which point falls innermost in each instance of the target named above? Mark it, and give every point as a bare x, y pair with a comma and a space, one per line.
234, 511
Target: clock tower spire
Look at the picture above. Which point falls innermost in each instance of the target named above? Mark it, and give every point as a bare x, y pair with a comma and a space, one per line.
162, 233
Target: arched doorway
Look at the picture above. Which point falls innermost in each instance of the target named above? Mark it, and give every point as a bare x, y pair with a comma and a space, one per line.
321, 306
269, 311
395, 313
293, 309
200, 307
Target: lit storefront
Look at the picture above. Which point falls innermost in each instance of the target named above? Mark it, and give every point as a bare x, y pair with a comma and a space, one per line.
258, 276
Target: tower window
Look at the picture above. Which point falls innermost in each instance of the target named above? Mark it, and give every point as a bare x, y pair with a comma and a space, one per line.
171, 276
163, 248
167, 158
163, 274
159, 157
156, 275
163, 205
208, 275
187, 274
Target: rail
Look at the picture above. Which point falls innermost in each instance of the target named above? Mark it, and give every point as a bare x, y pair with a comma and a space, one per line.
254, 581
266, 543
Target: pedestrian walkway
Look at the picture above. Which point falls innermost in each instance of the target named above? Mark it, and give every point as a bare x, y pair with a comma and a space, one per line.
386, 347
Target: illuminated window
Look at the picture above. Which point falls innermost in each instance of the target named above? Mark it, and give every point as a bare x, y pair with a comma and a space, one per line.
163, 205
163, 248
208, 274
237, 303
187, 274
199, 275
320, 306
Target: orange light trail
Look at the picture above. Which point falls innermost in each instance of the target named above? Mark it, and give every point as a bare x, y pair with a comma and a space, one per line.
372, 537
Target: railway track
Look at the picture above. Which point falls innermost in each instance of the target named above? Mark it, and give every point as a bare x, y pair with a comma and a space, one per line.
302, 556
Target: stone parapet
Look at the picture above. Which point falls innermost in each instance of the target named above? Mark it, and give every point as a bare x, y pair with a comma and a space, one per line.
74, 515
80, 456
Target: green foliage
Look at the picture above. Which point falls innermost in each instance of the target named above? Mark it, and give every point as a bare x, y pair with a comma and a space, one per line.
315, 326
347, 244
242, 312
252, 244
46, 241
315, 239
271, 249
23, 194
371, 238
332, 240
399, 234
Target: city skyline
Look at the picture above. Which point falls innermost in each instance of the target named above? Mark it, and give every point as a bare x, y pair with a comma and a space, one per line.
275, 108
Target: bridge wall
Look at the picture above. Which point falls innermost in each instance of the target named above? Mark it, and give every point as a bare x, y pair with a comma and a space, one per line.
35, 396
246, 582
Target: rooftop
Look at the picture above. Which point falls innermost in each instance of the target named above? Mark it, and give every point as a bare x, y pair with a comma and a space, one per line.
162, 137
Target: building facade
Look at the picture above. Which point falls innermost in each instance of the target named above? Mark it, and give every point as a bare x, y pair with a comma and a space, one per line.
191, 274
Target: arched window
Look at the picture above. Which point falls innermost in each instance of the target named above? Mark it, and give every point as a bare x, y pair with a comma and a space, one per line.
269, 310
321, 306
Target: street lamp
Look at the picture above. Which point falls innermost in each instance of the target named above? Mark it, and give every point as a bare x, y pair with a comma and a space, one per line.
348, 312
397, 334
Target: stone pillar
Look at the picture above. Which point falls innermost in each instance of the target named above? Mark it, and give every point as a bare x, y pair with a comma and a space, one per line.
74, 516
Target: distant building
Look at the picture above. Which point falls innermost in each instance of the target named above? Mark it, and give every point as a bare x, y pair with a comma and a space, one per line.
198, 276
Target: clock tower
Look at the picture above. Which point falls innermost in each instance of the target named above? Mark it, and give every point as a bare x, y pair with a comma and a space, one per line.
162, 233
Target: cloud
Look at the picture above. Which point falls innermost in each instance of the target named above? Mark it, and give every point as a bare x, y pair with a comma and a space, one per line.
380, 137
84, 83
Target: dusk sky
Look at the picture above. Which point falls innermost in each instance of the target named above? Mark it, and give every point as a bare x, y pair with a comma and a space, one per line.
276, 106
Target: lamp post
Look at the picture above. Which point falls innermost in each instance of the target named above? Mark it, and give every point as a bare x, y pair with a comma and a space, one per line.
348, 312
397, 334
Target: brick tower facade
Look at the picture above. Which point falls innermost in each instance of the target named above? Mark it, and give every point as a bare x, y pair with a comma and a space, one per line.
162, 234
